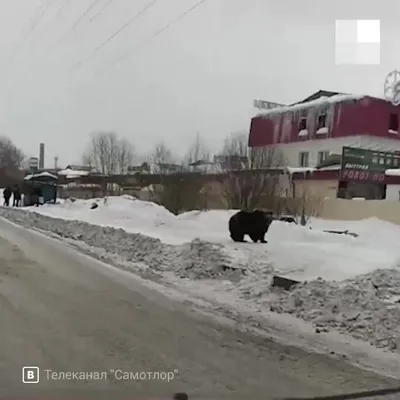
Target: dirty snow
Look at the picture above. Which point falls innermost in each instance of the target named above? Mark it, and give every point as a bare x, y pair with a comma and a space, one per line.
349, 285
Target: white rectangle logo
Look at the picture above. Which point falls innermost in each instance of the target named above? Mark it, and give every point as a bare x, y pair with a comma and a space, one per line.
30, 374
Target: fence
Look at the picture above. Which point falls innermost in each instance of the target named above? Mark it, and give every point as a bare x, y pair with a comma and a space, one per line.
350, 210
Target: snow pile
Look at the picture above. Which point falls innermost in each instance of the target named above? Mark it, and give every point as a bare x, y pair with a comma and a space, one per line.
194, 260
367, 307
294, 251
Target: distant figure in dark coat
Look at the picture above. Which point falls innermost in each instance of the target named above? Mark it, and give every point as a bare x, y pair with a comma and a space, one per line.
7, 195
38, 195
252, 223
16, 196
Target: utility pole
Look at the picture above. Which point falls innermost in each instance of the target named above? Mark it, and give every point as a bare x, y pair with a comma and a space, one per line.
55, 162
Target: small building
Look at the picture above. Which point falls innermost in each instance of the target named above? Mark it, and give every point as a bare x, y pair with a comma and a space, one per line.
48, 187
309, 131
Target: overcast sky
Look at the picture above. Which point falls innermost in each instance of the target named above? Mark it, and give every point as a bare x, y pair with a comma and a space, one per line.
201, 75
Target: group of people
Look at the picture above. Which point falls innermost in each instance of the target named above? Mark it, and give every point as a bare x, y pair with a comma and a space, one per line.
15, 192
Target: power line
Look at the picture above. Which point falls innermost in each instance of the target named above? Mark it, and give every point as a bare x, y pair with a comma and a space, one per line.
77, 22
117, 32
36, 23
101, 11
38, 14
163, 29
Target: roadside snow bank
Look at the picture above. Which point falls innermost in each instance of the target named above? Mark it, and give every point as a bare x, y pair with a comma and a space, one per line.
194, 260
294, 251
366, 306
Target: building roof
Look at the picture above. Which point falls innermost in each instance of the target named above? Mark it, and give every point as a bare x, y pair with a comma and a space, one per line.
319, 99
68, 172
319, 94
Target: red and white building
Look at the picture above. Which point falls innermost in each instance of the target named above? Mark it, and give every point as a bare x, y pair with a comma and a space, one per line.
308, 131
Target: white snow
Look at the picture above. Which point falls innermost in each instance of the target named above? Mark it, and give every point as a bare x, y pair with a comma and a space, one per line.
350, 284
322, 131
70, 173
303, 132
47, 174
298, 252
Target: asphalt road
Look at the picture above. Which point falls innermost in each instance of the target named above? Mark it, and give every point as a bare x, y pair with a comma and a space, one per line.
65, 313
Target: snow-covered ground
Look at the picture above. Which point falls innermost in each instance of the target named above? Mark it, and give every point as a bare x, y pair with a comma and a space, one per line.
297, 252
350, 284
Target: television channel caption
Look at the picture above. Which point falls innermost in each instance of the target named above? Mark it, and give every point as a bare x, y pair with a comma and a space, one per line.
32, 374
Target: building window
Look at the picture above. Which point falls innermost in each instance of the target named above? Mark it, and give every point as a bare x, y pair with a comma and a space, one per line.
322, 156
303, 124
322, 121
393, 123
303, 159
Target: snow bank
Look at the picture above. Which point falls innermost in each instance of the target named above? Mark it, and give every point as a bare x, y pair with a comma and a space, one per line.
194, 260
368, 307
352, 284
294, 251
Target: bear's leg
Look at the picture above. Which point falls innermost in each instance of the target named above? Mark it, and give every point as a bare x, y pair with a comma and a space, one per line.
262, 238
254, 237
237, 237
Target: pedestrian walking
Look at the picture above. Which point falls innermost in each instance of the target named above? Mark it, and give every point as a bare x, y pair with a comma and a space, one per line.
16, 196
7, 196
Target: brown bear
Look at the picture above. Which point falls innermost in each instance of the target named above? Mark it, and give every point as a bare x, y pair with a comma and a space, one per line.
253, 223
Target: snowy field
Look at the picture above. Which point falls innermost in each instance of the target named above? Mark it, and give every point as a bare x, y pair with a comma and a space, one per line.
351, 285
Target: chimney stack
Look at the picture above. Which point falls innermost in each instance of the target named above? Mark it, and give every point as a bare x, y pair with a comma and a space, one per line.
41, 156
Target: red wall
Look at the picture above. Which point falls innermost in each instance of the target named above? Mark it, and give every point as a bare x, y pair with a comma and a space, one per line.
368, 116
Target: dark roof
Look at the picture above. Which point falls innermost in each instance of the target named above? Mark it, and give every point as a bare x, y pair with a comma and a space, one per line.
317, 95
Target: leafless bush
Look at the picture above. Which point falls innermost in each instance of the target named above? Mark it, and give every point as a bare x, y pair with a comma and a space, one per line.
109, 154
252, 175
305, 205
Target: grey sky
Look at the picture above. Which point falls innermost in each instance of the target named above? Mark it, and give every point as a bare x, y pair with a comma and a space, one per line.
200, 75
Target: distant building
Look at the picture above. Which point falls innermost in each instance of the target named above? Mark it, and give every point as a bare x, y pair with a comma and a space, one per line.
309, 131
75, 167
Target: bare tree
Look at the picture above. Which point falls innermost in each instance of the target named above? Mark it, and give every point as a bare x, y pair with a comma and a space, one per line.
177, 189
163, 160
252, 175
108, 154
306, 204
125, 156
198, 155
11, 157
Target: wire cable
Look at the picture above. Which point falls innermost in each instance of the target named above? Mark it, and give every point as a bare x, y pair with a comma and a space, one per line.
38, 14
161, 30
116, 33
77, 22
101, 11
44, 9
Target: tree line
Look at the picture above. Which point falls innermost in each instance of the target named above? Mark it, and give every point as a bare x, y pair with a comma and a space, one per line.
110, 154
